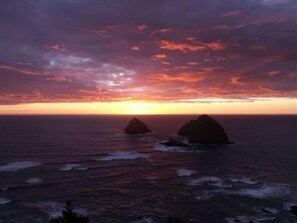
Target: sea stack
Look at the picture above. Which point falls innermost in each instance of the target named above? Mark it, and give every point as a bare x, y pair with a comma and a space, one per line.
137, 127
204, 130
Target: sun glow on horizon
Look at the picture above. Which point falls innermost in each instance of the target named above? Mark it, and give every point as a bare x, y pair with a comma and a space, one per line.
209, 106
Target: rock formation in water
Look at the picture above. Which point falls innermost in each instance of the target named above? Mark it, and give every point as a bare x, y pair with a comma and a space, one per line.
174, 142
204, 130
293, 210
137, 127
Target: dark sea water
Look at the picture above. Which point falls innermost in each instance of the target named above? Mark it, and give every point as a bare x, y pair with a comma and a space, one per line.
113, 177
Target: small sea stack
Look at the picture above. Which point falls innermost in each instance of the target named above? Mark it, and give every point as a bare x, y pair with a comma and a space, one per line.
204, 130
136, 127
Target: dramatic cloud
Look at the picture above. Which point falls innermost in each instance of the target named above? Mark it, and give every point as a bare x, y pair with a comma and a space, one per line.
166, 51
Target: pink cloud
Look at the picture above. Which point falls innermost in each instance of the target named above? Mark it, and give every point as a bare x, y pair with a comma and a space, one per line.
21, 70
232, 13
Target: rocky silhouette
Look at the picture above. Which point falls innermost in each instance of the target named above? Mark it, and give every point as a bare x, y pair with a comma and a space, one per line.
204, 130
174, 142
137, 127
293, 210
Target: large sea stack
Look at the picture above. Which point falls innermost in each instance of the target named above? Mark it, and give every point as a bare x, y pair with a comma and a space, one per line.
137, 127
204, 130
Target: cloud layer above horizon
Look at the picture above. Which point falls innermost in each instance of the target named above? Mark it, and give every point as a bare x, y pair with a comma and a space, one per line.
158, 51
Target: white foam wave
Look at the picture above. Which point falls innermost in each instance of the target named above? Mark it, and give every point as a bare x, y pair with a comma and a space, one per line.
33, 181
265, 191
4, 200
124, 156
266, 210
206, 179
163, 148
15, 166
243, 180
144, 220
185, 173
82, 168
248, 219
69, 166
54, 209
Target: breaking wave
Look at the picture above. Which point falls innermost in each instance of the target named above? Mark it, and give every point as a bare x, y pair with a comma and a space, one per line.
15, 166
69, 166
185, 173
124, 156
4, 200
33, 181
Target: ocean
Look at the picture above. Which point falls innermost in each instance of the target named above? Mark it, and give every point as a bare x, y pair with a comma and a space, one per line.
119, 178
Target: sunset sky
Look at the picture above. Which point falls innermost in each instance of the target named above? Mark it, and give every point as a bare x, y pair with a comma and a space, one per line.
148, 57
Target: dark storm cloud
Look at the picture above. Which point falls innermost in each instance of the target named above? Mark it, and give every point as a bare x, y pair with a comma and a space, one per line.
87, 50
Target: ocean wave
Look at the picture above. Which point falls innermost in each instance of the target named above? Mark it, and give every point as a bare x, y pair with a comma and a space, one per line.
124, 156
83, 168
4, 200
243, 180
144, 220
248, 219
267, 190
206, 179
250, 188
210, 180
163, 148
185, 173
34, 181
53, 209
69, 166
15, 166
205, 195
266, 210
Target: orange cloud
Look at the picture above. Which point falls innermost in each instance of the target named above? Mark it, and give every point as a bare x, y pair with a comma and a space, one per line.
193, 63
159, 56
216, 45
185, 77
166, 30
191, 90
183, 47
236, 81
142, 27
56, 47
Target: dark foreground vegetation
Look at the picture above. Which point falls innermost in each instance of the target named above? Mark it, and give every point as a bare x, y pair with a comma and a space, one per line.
70, 216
